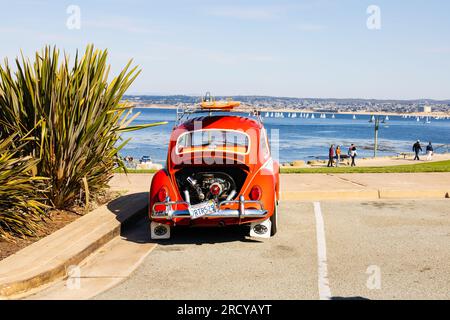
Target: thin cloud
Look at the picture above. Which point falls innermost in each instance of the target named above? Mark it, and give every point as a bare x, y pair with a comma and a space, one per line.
443, 50
15, 30
245, 12
310, 27
120, 24
233, 59
163, 51
32, 2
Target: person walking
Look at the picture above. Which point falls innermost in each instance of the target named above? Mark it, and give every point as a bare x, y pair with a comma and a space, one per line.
338, 155
430, 151
417, 148
331, 156
352, 154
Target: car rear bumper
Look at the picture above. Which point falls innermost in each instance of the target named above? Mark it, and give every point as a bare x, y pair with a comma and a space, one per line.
241, 213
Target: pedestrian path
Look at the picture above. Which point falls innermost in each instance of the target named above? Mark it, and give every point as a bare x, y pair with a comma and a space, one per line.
364, 186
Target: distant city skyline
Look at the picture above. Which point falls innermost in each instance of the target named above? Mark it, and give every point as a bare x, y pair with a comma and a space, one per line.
300, 49
405, 107
195, 95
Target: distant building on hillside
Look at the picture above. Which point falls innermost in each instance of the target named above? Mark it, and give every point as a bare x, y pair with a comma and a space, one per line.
426, 109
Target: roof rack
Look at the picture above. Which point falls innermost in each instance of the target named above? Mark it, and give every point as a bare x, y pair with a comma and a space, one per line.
184, 111
208, 104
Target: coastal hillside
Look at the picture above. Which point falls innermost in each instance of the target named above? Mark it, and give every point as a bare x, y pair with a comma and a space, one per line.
314, 104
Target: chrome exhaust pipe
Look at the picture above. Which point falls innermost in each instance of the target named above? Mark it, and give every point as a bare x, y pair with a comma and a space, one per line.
241, 206
231, 195
187, 197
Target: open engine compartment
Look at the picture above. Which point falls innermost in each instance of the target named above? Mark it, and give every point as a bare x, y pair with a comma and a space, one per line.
203, 183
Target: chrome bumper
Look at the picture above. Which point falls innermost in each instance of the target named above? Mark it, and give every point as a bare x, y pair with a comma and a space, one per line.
242, 212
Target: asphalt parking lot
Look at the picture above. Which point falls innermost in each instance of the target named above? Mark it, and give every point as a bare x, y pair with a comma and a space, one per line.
328, 250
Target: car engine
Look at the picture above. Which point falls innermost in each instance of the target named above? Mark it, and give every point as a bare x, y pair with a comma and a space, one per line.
203, 186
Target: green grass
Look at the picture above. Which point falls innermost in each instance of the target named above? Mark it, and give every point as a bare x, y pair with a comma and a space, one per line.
442, 166
119, 170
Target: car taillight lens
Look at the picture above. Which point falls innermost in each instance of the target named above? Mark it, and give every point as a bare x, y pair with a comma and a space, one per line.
162, 194
256, 193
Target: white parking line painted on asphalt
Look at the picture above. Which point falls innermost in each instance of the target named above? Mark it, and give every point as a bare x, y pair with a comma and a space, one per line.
324, 285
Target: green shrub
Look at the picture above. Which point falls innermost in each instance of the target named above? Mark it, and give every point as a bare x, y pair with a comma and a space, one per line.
20, 192
77, 115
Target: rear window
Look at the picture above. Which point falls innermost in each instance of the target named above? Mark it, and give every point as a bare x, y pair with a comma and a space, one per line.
229, 141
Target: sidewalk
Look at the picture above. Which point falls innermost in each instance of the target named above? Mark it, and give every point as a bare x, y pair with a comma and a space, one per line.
365, 186
132, 183
387, 161
400, 160
50, 258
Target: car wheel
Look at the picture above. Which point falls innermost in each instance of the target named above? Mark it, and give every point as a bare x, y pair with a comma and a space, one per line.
274, 220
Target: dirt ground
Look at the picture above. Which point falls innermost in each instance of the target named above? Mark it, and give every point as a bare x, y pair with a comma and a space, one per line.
56, 220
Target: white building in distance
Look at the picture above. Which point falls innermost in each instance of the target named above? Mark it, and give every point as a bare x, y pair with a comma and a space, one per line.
425, 109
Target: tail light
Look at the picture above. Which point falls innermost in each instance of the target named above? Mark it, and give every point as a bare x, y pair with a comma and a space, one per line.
256, 193
162, 194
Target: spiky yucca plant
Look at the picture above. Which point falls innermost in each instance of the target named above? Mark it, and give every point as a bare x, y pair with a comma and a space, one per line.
78, 116
20, 193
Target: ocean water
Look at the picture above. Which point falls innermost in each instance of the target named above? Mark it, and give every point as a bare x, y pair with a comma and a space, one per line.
304, 139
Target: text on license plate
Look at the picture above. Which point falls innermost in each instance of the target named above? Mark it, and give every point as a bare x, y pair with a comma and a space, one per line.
202, 209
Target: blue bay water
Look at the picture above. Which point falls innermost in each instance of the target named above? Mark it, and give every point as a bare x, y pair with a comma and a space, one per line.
301, 138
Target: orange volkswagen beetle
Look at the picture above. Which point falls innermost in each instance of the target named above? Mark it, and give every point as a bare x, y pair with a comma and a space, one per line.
219, 172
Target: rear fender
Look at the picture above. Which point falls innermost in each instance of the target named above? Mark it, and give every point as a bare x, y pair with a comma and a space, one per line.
267, 180
161, 179
276, 171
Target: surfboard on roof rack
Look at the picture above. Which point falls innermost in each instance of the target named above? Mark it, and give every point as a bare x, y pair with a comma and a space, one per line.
220, 105
208, 104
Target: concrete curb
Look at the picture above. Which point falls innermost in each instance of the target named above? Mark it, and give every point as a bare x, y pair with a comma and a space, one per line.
372, 194
49, 258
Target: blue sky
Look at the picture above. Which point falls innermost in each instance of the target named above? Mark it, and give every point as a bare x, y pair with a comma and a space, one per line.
308, 48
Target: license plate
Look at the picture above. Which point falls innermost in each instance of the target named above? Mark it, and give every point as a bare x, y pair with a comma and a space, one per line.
202, 209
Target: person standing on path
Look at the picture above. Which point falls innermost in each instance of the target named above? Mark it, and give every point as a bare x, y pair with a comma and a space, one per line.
338, 155
331, 156
352, 154
417, 148
430, 152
